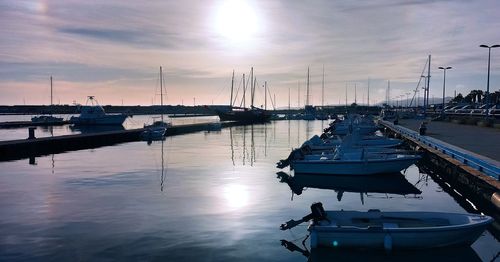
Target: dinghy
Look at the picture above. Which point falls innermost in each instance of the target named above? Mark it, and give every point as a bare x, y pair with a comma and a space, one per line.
391, 230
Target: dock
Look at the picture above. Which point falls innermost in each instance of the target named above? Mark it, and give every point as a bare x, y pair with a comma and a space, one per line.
475, 176
28, 148
15, 124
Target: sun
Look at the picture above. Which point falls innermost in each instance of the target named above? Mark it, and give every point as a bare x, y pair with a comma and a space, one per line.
236, 21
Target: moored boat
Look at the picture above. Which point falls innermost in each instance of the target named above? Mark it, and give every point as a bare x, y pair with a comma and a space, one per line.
391, 230
93, 114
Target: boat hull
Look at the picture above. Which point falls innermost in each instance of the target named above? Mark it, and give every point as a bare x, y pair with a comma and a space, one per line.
100, 120
390, 237
248, 116
355, 167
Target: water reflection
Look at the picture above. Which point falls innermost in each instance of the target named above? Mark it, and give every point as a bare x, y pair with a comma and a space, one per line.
236, 195
438, 254
385, 184
247, 149
95, 129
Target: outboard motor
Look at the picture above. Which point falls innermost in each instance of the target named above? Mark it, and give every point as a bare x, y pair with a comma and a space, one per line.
317, 214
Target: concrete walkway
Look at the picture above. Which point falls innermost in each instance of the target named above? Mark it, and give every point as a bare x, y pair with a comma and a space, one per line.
480, 140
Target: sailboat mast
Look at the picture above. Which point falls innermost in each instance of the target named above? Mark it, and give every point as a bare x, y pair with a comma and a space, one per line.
323, 89
252, 88
51, 90
355, 94
232, 86
368, 92
244, 91
346, 94
307, 92
289, 100
428, 81
298, 95
161, 93
265, 95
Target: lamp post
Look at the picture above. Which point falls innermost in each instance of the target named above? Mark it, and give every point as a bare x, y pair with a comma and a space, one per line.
488, 82
444, 84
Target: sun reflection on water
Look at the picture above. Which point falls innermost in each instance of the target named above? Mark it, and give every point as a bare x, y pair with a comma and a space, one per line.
236, 196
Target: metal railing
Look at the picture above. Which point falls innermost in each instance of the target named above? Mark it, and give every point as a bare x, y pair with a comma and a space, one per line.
462, 155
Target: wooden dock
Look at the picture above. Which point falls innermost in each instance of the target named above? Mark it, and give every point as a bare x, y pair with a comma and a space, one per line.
26, 148
476, 177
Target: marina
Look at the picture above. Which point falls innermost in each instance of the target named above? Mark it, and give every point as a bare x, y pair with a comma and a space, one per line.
238, 130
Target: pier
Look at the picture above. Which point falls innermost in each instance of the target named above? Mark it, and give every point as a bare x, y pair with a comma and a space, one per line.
27, 148
14, 124
474, 175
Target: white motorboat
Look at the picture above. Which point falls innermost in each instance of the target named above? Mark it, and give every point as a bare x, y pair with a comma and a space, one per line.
391, 230
93, 114
354, 161
328, 143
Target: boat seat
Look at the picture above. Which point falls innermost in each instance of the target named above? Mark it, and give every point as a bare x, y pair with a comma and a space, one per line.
390, 225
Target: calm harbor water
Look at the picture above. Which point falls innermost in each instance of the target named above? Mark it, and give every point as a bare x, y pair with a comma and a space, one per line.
208, 196
136, 121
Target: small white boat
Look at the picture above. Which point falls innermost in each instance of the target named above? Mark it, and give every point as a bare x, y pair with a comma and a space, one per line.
329, 143
354, 161
93, 114
391, 230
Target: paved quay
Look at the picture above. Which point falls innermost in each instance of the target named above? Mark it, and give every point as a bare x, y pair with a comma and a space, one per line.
484, 141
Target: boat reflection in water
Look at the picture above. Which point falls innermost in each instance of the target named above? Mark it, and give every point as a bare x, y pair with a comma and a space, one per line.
86, 129
385, 183
439, 254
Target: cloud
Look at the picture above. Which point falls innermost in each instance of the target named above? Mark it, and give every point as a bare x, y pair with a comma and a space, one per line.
121, 44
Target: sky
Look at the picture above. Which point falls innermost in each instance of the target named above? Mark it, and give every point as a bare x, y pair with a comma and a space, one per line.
113, 49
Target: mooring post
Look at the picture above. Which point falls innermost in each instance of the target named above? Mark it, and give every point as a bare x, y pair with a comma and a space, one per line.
31, 132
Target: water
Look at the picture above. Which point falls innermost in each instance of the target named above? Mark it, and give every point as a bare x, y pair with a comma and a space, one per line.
137, 121
217, 198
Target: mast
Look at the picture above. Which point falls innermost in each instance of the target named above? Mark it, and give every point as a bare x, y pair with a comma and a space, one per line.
51, 90
307, 92
428, 81
232, 86
346, 94
355, 94
244, 91
368, 100
161, 93
288, 100
298, 95
265, 95
252, 87
323, 89
388, 91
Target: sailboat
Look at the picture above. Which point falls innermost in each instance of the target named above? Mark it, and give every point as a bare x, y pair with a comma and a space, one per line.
309, 111
47, 119
244, 114
322, 115
159, 127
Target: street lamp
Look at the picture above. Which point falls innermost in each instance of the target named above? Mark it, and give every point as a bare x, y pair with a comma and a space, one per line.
488, 82
444, 84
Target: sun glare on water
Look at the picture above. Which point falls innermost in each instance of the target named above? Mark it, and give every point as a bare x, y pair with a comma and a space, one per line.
236, 21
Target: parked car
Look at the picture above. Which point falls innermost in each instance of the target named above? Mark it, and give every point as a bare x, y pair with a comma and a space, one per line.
464, 110
479, 111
